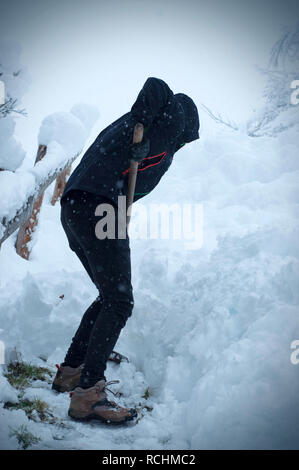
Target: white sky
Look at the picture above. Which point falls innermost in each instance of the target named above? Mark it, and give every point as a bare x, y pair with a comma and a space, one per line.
101, 52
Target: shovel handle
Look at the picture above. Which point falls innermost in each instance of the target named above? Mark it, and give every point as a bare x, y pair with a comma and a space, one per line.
137, 137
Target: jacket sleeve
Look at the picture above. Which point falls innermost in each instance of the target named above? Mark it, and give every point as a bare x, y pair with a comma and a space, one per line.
154, 95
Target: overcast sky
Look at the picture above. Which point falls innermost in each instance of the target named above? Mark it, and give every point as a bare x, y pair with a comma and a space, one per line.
101, 52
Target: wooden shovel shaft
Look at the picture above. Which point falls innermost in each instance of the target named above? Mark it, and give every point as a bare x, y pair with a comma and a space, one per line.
137, 137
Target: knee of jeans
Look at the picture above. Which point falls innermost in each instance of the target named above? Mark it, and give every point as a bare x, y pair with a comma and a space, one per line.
120, 307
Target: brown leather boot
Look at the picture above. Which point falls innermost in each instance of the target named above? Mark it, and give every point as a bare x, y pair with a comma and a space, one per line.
67, 378
92, 403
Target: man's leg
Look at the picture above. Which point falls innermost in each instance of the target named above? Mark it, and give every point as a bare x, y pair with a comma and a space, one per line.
76, 353
69, 205
109, 261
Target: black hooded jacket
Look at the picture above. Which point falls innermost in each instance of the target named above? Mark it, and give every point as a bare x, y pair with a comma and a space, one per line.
169, 120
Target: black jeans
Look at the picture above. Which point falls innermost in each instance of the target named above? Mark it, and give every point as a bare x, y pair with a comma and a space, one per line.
108, 263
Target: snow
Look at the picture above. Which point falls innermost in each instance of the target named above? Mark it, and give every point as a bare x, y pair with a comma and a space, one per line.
15, 76
64, 134
211, 331
15, 188
69, 129
65, 129
11, 152
16, 80
8, 393
86, 113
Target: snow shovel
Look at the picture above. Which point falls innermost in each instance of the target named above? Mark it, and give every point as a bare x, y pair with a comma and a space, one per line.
137, 137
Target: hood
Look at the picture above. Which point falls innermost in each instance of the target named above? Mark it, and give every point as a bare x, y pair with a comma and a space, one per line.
191, 118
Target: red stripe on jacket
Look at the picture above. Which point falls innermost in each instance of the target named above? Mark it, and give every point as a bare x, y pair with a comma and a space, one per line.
162, 155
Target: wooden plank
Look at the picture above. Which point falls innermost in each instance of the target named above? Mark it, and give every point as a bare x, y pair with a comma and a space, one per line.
27, 228
60, 185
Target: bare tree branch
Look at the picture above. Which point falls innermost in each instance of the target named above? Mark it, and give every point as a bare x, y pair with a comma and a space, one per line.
219, 119
10, 107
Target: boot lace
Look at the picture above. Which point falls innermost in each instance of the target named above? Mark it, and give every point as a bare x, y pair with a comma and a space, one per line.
104, 388
110, 383
99, 390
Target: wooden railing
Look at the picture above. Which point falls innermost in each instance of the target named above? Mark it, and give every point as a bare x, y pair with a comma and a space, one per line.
26, 217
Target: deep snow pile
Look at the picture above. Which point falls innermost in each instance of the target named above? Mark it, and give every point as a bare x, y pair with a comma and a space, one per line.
210, 336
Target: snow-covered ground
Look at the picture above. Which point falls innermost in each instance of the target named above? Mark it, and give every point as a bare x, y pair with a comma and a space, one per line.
211, 332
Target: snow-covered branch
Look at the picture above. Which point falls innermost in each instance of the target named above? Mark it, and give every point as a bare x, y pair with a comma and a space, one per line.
219, 118
10, 106
278, 113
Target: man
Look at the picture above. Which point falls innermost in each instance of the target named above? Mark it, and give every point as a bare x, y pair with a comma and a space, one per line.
170, 121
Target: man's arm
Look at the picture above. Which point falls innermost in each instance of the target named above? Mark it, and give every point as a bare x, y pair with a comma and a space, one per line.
154, 95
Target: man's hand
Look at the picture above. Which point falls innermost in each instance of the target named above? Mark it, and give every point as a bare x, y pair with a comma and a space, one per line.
139, 151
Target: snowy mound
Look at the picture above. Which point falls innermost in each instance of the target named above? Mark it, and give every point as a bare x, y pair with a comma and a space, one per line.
69, 130
65, 129
210, 337
11, 152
